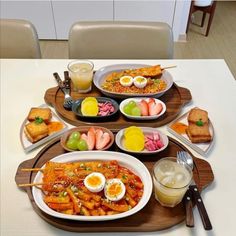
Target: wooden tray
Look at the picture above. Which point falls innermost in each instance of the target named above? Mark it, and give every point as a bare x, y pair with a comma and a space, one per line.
174, 98
152, 217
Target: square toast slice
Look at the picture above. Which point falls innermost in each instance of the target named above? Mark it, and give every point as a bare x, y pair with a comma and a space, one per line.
197, 114
199, 134
44, 113
34, 131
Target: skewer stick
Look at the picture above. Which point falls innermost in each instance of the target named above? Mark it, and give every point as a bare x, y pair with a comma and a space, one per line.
168, 67
36, 184
29, 184
40, 169
32, 169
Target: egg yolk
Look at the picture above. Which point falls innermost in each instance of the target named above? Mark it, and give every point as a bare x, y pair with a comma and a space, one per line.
94, 181
125, 80
140, 80
114, 189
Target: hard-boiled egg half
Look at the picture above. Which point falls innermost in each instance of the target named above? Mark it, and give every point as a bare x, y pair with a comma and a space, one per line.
114, 189
126, 81
140, 81
95, 182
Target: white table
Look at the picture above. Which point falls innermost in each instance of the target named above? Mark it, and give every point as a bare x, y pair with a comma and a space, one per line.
23, 84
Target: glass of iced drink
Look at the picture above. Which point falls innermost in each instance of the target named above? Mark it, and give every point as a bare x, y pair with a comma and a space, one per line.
81, 74
171, 181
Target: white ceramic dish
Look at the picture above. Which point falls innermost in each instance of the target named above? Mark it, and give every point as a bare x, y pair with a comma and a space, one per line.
146, 130
126, 101
100, 75
125, 160
202, 148
27, 145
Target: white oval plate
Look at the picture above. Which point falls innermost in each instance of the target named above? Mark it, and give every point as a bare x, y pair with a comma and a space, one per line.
138, 99
101, 74
146, 130
125, 160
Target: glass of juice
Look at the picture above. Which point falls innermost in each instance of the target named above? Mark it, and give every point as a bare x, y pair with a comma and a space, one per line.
171, 181
81, 74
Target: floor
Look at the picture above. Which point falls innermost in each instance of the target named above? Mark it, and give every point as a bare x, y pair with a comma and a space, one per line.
220, 43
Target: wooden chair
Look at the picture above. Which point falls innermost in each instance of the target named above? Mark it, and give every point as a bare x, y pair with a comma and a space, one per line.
205, 9
120, 40
18, 39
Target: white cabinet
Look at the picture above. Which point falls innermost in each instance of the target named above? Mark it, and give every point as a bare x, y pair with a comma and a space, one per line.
38, 12
173, 12
53, 18
68, 12
144, 10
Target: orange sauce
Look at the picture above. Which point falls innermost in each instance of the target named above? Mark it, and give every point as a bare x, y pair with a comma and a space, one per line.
54, 126
179, 127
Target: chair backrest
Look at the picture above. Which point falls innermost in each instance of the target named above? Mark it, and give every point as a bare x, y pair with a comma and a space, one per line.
120, 40
18, 39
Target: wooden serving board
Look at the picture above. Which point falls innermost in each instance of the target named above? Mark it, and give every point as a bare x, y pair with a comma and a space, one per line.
152, 217
174, 98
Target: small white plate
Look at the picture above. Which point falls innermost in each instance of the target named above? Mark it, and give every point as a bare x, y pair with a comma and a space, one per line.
146, 130
27, 145
125, 160
138, 99
202, 148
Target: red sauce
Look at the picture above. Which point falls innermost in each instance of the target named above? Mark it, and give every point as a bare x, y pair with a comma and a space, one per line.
179, 127
54, 126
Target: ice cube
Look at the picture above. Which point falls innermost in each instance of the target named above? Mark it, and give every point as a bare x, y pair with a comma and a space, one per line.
168, 181
166, 168
179, 177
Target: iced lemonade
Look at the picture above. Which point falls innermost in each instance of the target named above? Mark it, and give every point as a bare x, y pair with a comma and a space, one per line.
171, 181
81, 74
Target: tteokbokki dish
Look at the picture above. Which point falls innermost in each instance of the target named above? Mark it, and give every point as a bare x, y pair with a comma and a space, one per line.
94, 188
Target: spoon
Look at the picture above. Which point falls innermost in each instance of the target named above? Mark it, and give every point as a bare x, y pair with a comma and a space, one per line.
185, 158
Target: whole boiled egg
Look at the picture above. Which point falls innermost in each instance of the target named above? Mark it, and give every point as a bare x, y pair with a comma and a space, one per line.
95, 182
140, 81
114, 189
126, 80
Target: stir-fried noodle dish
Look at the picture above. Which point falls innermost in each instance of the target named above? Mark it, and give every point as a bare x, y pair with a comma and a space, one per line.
154, 83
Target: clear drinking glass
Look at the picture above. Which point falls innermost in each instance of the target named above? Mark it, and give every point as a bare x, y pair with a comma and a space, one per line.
81, 74
171, 181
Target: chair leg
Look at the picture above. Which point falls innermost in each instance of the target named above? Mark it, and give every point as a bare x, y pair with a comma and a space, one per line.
203, 19
210, 18
191, 10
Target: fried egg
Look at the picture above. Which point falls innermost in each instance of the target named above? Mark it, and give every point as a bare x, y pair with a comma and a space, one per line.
114, 189
140, 81
126, 81
95, 182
